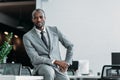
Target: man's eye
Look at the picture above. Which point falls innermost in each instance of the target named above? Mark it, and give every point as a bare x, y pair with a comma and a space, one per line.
41, 17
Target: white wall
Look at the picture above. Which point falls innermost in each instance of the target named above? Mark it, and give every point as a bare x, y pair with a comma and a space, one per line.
92, 25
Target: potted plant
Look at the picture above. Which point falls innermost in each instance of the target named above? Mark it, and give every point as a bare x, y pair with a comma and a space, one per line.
5, 48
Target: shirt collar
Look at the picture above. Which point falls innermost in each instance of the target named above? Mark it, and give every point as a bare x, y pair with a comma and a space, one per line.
39, 31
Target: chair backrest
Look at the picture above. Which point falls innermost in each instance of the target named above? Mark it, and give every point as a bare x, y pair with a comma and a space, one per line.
115, 56
10, 69
73, 67
110, 72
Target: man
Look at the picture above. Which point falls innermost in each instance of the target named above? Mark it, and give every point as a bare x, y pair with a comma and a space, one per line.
42, 46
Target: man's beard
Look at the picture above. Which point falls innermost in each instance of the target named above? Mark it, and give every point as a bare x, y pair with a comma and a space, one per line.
40, 25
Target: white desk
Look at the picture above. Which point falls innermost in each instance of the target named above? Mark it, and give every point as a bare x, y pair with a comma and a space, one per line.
10, 77
81, 77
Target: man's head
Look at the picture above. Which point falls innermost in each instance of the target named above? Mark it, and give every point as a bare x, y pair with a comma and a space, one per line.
38, 18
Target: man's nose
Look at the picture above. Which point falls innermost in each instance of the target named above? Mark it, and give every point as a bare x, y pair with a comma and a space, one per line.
39, 19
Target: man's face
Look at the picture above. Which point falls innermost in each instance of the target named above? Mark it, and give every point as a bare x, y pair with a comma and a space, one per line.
39, 20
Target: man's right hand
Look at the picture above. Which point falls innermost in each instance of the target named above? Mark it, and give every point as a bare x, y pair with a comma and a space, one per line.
63, 66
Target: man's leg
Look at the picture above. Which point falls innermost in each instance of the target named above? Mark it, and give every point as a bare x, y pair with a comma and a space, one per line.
61, 76
46, 71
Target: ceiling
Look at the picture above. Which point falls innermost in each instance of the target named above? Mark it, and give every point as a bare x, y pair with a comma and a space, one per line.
20, 11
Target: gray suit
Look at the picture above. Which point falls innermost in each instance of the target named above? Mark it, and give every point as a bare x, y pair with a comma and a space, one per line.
40, 55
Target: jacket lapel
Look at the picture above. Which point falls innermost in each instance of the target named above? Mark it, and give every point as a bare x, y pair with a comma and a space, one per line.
36, 37
50, 35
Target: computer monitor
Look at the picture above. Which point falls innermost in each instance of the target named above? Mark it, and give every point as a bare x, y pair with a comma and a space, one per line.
115, 58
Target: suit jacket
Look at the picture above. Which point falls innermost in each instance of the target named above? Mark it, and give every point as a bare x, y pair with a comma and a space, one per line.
40, 54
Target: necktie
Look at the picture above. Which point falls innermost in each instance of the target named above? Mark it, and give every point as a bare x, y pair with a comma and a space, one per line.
43, 38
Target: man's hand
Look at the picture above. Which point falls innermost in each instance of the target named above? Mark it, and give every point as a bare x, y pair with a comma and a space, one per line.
63, 66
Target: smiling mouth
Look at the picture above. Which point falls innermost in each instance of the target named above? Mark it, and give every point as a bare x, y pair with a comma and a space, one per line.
39, 24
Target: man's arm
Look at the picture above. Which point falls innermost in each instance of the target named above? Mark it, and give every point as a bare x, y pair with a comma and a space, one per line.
68, 45
63, 65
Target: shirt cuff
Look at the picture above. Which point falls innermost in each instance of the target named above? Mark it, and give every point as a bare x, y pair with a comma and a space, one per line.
53, 61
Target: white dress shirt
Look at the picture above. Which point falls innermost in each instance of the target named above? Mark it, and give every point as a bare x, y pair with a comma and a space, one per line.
45, 34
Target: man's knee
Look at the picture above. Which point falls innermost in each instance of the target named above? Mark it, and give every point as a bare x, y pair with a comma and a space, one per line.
62, 76
47, 71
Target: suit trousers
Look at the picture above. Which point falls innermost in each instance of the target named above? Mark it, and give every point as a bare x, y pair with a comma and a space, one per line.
51, 73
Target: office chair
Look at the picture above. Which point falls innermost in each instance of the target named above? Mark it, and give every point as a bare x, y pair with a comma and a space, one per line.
10, 69
110, 72
72, 68
14, 69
